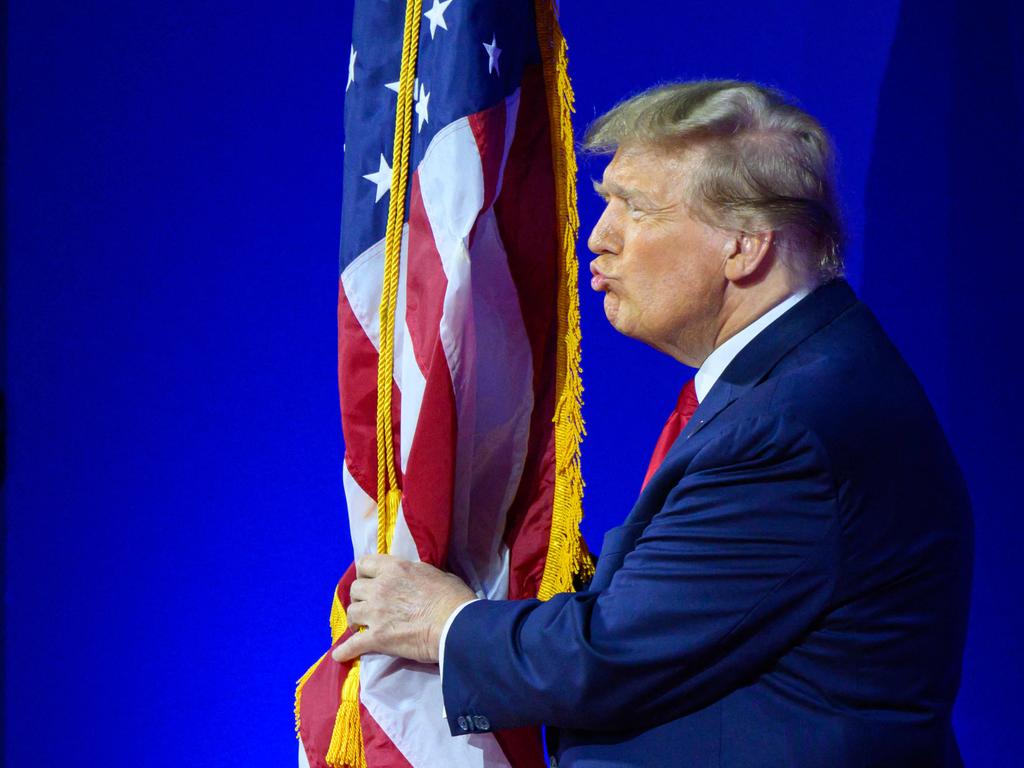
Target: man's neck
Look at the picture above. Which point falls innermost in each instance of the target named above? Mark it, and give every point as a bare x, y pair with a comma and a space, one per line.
743, 306
715, 364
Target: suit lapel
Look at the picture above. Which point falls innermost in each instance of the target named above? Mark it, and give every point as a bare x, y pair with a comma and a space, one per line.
718, 399
755, 362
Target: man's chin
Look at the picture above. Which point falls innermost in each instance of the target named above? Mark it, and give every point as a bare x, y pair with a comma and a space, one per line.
617, 319
611, 309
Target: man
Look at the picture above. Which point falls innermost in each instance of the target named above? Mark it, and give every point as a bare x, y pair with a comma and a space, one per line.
791, 587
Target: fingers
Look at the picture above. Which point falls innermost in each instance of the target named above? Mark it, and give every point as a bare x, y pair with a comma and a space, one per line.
360, 590
356, 615
370, 566
365, 592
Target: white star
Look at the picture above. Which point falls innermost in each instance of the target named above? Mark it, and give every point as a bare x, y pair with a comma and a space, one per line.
421, 108
493, 52
394, 87
381, 177
436, 16
351, 68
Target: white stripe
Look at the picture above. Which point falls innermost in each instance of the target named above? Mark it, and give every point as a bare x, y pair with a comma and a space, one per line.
405, 700
487, 349
362, 515
494, 399
412, 386
363, 281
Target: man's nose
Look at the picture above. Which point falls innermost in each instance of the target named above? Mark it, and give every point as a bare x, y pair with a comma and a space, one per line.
602, 236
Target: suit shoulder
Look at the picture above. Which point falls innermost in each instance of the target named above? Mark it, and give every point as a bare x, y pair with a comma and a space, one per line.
846, 376
850, 387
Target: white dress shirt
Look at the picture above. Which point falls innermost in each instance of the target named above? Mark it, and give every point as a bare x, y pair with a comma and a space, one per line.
716, 363
708, 373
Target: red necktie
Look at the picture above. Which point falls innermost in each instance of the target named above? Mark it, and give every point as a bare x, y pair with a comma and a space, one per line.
676, 423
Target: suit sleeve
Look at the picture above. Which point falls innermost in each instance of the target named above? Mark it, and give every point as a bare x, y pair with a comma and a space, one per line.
738, 563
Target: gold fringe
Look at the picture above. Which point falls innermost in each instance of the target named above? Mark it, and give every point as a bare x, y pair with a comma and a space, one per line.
298, 690
567, 557
339, 623
346, 747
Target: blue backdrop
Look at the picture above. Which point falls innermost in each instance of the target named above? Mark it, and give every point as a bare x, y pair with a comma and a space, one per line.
173, 503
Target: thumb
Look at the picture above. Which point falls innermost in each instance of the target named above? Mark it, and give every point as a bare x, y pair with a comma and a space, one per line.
358, 644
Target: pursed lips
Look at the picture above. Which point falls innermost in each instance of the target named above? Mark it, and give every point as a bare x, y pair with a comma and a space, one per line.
599, 281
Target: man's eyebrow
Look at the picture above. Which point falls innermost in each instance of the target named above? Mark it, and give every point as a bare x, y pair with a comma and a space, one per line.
629, 194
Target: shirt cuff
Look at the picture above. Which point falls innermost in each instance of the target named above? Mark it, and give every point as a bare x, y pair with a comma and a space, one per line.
440, 648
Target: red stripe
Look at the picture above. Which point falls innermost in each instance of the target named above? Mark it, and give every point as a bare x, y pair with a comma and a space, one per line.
318, 709
357, 389
522, 746
430, 476
425, 282
430, 469
488, 129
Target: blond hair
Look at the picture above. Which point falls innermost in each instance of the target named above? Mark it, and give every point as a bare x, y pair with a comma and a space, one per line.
763, 163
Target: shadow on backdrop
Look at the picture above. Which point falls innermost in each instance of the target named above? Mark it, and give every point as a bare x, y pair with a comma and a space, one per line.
943, 270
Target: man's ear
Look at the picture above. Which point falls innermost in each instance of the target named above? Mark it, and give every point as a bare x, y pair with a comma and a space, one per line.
746, 253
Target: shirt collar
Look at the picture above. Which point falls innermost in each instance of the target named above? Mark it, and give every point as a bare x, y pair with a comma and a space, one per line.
719, 359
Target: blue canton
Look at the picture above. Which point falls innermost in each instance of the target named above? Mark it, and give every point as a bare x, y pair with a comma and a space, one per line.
471, 56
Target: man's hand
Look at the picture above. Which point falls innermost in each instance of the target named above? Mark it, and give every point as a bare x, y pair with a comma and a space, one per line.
403, 606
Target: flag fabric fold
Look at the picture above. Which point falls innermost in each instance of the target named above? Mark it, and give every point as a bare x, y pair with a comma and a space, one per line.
464, 290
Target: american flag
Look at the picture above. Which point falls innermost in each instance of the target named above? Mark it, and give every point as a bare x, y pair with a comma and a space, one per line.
475, 376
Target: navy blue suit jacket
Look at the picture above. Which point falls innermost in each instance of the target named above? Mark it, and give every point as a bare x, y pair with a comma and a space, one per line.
791, 588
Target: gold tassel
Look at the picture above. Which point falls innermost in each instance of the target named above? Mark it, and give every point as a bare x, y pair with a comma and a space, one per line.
567, 558
339, 621
391, 501
346, 747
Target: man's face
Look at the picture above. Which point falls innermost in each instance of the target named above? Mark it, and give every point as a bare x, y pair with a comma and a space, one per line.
661, 269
